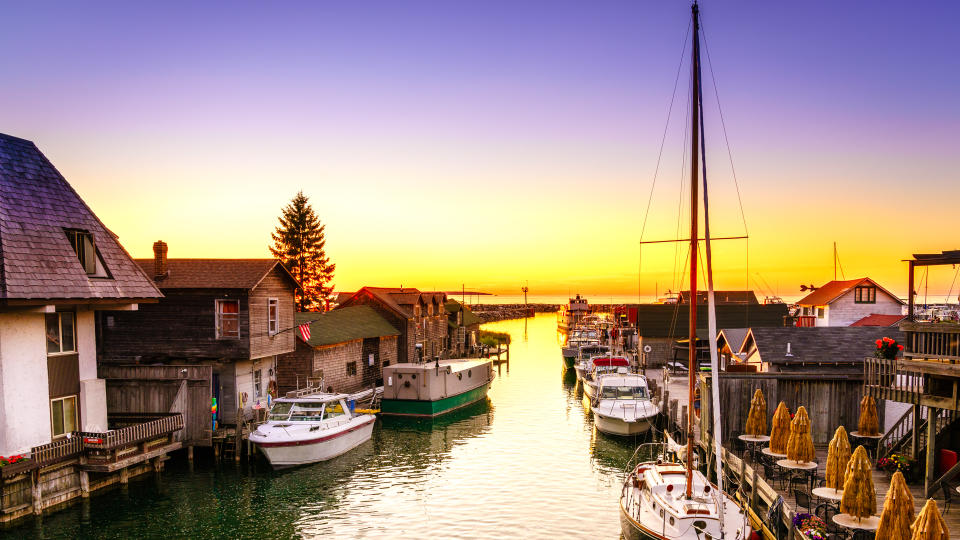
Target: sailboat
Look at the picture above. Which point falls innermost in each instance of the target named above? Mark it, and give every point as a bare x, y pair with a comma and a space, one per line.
663, 497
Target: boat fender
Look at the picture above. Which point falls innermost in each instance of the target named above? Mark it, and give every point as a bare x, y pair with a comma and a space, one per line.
449, 370
460, 376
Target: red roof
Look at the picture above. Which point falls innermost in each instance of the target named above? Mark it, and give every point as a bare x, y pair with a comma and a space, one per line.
876, 319
835, 289
213, 273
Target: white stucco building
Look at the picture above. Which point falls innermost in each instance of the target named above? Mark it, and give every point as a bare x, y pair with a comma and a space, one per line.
58, 265
842, 303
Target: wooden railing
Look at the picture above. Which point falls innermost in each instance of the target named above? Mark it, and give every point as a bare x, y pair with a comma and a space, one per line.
134, 433
57, 451
896, 436
886, 378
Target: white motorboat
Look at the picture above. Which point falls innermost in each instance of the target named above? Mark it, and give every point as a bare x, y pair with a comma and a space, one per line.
622, 405
601, 365
311, 428
586, 354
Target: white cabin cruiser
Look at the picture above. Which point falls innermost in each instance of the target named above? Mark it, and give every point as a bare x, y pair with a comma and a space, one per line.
311, 428
586, 354
600, 366
622, 405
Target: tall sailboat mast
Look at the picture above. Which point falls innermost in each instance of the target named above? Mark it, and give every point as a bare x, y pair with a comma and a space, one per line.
694, 234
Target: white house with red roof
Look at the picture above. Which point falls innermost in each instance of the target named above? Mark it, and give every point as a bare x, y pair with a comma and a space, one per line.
843, 303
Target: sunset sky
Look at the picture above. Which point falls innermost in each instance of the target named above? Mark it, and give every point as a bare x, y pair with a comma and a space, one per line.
497, 143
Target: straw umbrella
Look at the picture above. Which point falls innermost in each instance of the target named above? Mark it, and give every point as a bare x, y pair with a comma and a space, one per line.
757, 419
930, 524
869, 424
859, 496
780, 433
800, 444
897, 515
838, 455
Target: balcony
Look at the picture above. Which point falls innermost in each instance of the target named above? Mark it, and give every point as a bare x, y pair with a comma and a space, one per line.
929, 372
806, 321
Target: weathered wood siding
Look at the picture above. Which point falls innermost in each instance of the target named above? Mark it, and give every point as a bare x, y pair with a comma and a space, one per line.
158, 389
294, 368
262, 344
407, 340
181, 325
830, 400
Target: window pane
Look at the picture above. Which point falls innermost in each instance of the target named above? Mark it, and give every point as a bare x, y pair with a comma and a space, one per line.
69, 415
66, 329
57, 408
229, 306
53, 333
230, 326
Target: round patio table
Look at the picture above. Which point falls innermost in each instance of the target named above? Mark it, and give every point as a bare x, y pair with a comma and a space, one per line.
828, 493
808, 468
869, 442
849, 522
752, 442
770, 453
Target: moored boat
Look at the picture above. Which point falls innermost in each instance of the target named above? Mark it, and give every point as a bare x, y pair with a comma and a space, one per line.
622, 405
655, 505
434, 388
585, 356
309, 429
601, 365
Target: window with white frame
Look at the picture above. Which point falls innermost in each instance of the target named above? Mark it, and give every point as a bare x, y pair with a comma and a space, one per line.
61, 334
258, 383
228, 319
273, 316
820, 312
63, 416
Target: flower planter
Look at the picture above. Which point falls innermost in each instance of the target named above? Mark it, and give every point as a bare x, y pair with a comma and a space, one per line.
9, 471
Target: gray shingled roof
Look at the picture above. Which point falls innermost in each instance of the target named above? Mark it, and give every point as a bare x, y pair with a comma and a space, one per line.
36, 206
826, 345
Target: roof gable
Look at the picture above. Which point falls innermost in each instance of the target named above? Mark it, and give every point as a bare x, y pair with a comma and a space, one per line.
824, 345
833, 290
345, 324
38, 262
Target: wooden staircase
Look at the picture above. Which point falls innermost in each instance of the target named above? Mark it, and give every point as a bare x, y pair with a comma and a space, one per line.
899, 439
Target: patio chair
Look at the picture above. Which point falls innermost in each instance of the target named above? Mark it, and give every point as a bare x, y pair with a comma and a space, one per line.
947, 496
802, 498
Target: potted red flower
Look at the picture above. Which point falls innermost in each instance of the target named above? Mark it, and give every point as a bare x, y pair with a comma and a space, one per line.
887, 348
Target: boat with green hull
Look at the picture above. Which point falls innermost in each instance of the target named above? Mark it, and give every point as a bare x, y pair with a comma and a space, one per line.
434, 388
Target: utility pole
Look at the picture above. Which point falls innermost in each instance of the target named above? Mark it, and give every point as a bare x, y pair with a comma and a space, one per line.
525, 290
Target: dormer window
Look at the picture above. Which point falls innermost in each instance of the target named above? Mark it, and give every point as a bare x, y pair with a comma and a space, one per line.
865, 295
82, 242
86, 250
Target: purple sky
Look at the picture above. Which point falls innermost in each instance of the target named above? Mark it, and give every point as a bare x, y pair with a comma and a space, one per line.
438, 109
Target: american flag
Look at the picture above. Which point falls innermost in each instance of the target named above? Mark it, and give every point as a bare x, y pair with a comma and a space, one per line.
305, 331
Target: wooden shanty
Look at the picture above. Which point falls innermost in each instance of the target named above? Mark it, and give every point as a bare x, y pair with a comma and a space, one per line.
927, 377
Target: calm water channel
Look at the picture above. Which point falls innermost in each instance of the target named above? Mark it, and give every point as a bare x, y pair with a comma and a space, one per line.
525, 464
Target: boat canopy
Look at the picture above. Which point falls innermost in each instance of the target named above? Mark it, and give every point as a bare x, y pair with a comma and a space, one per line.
611, 361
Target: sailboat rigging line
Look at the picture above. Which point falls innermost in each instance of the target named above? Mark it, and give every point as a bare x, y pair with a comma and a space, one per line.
663, 139
946, 300
723, 125
683, 168
840, 264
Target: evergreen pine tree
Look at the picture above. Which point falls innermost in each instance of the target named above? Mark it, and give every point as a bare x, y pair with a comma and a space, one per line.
298, 243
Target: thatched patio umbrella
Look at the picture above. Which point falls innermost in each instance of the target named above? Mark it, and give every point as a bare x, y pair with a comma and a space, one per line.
868, 425
757, 419
859, 496
800, 444
780, 433
838, 455
929, 524
897, 515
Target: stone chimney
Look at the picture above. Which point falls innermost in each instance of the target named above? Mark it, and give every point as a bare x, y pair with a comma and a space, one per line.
159, 260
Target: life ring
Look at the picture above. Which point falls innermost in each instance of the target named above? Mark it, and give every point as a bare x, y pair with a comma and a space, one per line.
272, 388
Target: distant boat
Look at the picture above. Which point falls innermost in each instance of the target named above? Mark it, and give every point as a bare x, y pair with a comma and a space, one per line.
578, 339
622, 405
309, 429
434, 388
570, 315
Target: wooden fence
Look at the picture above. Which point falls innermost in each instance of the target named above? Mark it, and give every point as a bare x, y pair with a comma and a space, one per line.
185, 389
830, 399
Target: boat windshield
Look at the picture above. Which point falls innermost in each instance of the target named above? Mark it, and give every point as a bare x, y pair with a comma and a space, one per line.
280, 411
333, 410
625, 392
306, 411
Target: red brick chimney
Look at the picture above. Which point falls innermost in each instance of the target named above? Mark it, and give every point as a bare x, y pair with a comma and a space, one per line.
159, 260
